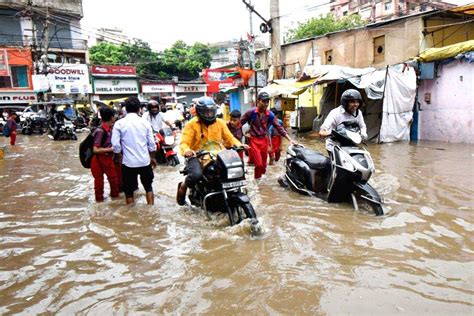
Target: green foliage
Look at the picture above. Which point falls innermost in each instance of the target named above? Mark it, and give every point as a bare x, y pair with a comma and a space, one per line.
323, 25
179, 60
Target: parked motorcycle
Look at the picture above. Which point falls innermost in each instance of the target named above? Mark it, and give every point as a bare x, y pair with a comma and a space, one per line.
341, 178
165, 140
33, 125
221, 188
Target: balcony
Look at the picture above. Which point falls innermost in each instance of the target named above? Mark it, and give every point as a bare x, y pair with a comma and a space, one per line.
61, 43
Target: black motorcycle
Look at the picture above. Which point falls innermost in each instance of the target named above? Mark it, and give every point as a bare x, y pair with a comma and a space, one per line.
221, 188
61, 128
341, 178
33, 125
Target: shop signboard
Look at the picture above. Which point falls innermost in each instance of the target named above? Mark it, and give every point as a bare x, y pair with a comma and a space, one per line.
191, 88
114, 71
157, 88
115, 86
17, 97
68, 78
4, 69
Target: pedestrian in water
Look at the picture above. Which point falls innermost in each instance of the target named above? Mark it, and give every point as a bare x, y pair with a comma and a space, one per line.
260, 119
236, 128
275, 140
11, 123
102, 160
132, 136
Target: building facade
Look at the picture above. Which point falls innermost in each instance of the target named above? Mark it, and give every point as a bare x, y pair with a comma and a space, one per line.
378, 10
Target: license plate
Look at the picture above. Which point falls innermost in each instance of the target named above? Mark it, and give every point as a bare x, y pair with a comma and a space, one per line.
234, 184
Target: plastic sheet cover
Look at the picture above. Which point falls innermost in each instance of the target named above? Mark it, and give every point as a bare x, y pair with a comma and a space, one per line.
398, 104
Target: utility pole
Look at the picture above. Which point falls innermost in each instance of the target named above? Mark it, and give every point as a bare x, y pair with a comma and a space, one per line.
275, 38
46, 42
252, 55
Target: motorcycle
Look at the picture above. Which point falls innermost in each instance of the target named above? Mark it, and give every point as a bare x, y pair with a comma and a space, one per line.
63, 130
33, 125
221, 188
165, 140
342, 177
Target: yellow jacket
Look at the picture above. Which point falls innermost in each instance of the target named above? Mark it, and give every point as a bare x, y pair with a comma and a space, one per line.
197, 135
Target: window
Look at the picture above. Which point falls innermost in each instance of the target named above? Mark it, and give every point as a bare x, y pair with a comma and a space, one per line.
379, 49
388, 6
328, 57
19, 76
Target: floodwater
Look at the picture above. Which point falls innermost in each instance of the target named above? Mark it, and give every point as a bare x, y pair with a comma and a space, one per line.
61, 253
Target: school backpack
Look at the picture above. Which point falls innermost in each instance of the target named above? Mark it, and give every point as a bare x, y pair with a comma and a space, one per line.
86, 149
6, 130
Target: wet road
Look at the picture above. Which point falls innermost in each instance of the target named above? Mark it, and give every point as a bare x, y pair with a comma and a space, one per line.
62, 253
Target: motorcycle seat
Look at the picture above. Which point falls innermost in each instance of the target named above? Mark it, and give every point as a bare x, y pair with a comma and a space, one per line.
313, 158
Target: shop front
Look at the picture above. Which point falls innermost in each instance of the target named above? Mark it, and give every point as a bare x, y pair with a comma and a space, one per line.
16, 86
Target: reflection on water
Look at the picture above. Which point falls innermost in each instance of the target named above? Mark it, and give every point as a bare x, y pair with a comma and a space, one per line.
62, 253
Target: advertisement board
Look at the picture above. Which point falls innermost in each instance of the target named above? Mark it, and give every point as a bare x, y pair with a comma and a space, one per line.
4, 69
68, 78
157, 88
115, 86
17, 97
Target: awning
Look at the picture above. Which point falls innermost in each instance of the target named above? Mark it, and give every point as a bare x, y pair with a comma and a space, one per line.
288, 87
445, 52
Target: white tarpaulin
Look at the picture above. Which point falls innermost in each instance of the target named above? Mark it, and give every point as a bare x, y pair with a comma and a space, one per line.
398, 103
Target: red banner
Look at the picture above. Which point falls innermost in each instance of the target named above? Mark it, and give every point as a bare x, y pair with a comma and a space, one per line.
4, 70
122, 71
217, 79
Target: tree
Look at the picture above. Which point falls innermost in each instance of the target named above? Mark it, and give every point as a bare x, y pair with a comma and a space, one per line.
323, 25
179, 60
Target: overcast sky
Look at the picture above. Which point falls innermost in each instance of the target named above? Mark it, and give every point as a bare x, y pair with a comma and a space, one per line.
163, 22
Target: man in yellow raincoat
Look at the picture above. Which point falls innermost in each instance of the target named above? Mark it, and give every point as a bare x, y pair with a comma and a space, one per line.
203, 132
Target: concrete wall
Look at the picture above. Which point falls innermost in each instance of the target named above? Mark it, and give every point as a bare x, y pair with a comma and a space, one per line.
449, 116
444, 36
355, 48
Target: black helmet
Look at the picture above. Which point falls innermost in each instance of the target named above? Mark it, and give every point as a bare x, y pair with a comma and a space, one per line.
350, 94
263, 96
206, 110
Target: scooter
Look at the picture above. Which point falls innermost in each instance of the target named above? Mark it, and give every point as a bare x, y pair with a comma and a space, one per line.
62, 130
221, 188
342, 177
165, 140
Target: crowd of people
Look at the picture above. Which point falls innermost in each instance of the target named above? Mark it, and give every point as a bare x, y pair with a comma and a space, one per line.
124, 149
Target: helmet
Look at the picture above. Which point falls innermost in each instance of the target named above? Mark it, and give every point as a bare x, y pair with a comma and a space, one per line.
206, 110
350, 94
263, 96
151, 104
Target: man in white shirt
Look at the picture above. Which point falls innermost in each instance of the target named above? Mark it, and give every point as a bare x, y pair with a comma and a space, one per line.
351, 100
155, 117
132, 136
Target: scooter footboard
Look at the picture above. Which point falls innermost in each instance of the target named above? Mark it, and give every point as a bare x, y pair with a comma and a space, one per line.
367, 195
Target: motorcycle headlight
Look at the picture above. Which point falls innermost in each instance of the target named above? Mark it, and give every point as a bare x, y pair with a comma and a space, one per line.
235, 173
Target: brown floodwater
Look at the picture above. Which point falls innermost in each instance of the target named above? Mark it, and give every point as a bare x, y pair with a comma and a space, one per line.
62, 253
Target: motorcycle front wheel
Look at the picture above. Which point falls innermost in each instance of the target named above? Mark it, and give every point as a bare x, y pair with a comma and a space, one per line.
241, 211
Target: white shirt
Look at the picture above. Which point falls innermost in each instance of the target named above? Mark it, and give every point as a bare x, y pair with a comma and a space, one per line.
155, 121
133, 137
336, 117
173, 115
